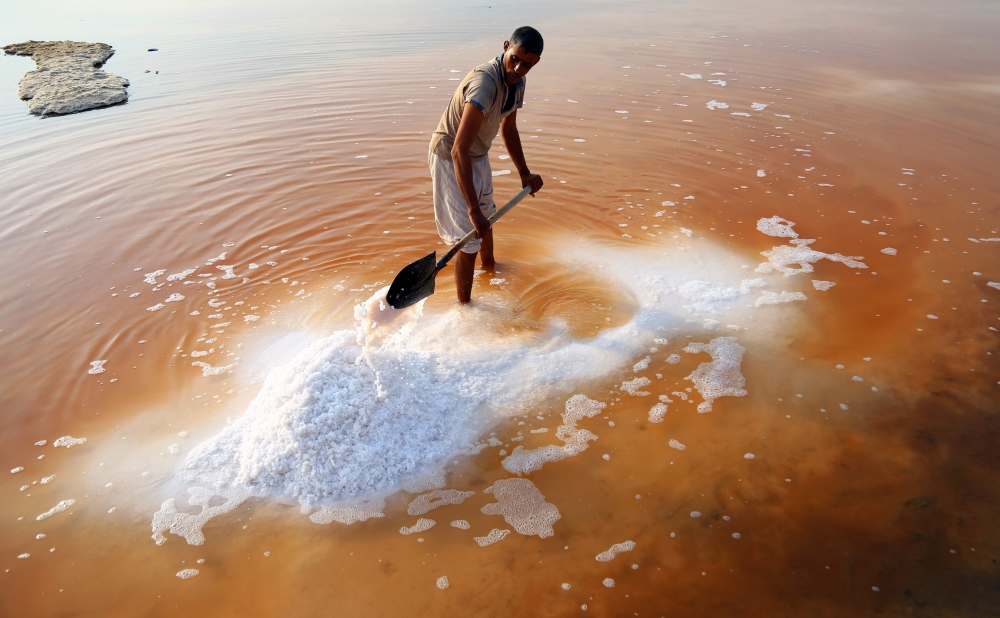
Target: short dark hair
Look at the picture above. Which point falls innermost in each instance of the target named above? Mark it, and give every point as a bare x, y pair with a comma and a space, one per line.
529, 39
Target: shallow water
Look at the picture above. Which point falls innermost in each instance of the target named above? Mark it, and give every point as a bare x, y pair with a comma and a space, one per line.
296, 136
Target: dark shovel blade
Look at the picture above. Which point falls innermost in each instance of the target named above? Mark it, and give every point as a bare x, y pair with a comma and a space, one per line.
414, 283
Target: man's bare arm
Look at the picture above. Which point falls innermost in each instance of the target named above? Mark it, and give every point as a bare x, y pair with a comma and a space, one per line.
512, 140
468, 130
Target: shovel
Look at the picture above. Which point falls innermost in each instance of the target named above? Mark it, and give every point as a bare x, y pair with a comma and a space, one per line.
416, 282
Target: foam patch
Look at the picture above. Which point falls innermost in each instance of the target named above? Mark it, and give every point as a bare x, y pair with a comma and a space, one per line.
614, 550
495, 536
721, 377
437, 498
59, 508
773, 298
782, 258
576, 440
421, 525
523, 507
188, 525
69, 441
657, 412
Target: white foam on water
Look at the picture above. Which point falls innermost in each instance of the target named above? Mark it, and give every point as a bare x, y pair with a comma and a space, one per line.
576, 440
608, 582
776, 226
150, 278
181, 275
614, 550
173, 298
759, 106
188, 525
187, 573
777, 298
495, 536
69, 441
632, 386
713, 104
721, 377
442, 582
97, 367
174, 449
437, 498
749, 456
17, 469
350, 511
208, 370
156, 307
695, 514
994, 285
522, 506
744, 114
461, 524
421, 525
889, 251
657, 412
677, 445
822, 286
673, 359
705, 296
642, 365
692, 75
761, 173
59, 508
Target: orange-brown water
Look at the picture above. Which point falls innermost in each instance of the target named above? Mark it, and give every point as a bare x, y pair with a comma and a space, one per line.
251, 132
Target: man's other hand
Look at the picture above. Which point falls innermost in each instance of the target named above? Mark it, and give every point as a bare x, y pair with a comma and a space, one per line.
534, 180
480, 222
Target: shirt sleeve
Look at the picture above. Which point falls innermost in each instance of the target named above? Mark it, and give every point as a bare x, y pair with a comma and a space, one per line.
480, 91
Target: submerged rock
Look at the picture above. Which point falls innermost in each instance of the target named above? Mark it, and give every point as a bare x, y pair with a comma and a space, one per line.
68, 78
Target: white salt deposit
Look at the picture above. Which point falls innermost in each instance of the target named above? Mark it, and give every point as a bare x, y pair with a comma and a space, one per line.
69, 441
614, 550
495, 536
522, 506
822, 286
187, 573
773, 298
437, 498
442, 582
578, 407
461, 524
421, 525
59, 508
889, 251
657, 412
174, 449
677, 445
632, 386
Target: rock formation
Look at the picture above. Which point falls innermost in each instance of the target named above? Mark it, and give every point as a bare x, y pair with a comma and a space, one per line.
68, 78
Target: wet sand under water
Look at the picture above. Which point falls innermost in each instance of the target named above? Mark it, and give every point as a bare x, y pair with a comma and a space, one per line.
878, 120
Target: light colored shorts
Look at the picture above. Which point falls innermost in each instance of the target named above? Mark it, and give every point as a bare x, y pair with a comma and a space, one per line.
451, 215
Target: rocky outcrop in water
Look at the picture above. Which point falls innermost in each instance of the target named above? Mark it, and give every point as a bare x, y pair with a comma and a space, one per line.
68, 78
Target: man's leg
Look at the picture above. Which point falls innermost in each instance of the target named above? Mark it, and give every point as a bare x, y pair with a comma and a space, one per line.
465, 266
486, 251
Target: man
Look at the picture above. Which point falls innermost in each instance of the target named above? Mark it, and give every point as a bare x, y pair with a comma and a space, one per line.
485, 103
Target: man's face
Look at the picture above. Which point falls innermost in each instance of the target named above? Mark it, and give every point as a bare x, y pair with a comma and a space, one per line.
517, 62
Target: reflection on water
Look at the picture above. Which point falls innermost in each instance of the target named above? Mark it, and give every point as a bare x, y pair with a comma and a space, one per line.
271, 176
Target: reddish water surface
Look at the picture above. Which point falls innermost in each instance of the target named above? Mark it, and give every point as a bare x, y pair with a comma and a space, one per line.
297, 135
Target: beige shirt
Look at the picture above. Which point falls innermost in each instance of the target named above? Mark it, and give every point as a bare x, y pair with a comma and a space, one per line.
485, 88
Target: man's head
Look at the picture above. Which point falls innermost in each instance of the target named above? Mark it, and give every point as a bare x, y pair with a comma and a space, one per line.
521, 52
